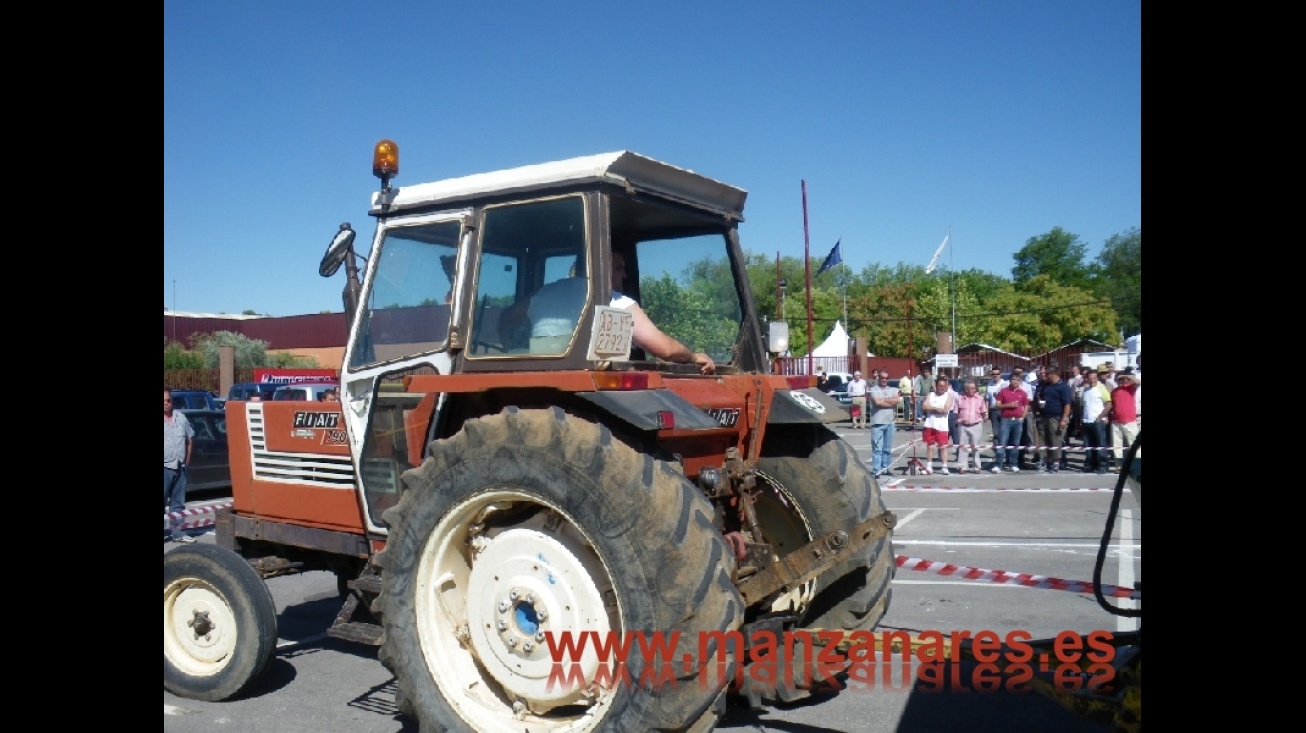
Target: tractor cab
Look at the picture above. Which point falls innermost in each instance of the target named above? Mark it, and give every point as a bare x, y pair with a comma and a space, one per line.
521, 279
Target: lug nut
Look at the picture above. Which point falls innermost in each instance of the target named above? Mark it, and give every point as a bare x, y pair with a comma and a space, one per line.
503, 606
502, 625
539, 636
542, 615
528, 646
530, 598
511, 641
512, 595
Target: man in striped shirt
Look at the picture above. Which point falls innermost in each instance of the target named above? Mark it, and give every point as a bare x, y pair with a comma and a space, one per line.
972, 411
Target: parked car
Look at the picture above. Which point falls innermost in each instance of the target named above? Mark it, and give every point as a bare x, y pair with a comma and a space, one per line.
195, 399
838, 386
310, 391
208, 468
243, 390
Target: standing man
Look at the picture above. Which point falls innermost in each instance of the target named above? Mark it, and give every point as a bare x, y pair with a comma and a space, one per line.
1094, 405
178, 438
937, 405
1013, 403
954, 431
972, 413
1124, 414
1026, 434
1076, 384
857, 393
1076, 381
1107, 375
995, 385
921, 385
883, 401
1054, 401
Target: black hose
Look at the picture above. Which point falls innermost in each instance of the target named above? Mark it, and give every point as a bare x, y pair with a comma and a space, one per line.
1106, 536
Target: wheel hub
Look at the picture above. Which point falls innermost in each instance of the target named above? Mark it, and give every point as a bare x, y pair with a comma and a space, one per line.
527, 589
202, 630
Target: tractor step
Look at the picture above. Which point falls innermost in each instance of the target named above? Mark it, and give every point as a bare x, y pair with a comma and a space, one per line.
357, 631
366, 584
353, 621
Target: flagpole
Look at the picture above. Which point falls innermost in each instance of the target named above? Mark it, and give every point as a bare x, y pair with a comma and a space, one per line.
843, 288
807, 265
952, 273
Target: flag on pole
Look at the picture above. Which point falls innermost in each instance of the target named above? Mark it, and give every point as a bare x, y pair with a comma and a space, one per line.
834, 258
937, 254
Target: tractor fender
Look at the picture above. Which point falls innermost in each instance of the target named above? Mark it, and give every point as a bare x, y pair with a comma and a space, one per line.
804, 406
640, 409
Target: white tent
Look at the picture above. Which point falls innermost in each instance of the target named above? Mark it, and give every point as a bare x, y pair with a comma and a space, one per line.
836, 344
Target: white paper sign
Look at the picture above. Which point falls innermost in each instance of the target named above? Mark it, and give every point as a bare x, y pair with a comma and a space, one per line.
612, 333
945, 360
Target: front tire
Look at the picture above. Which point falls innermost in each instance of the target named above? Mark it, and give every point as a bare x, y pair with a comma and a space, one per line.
219, 623
819, 485
534, 523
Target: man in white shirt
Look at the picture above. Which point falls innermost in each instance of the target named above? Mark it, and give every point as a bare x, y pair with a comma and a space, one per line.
995, 385
857, 393
1094, 401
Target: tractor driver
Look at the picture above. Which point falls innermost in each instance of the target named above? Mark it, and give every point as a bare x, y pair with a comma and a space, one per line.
647, 335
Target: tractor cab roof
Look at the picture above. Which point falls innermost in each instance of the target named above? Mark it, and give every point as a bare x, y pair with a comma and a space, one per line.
628, 170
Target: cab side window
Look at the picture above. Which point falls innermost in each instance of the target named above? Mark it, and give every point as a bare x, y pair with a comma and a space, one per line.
532, 278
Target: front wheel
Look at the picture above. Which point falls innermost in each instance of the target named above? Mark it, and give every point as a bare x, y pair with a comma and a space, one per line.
532, 532
219, 623
813, 484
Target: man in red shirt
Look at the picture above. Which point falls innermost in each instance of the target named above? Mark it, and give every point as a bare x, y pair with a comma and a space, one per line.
1124, 413
1012, 402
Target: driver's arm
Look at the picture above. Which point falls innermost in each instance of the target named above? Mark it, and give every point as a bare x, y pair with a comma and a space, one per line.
650, 338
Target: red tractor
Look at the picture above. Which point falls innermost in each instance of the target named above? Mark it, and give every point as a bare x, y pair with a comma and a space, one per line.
508, 468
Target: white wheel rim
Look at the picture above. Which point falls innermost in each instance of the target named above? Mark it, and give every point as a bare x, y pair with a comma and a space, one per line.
479, 604
199, 628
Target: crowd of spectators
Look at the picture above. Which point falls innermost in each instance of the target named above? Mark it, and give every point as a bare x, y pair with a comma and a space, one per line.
1032, 417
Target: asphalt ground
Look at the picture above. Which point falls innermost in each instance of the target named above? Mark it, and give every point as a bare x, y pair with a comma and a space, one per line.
1048, 527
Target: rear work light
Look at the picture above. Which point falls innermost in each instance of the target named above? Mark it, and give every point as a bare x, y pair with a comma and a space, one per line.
801, 381
620, 380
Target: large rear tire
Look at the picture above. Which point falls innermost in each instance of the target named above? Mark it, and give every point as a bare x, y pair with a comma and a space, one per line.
813, 484
533, 523
219, 623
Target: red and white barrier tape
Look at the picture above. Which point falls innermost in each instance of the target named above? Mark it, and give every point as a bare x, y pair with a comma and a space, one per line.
990, 489
186, 517
1002, 576
986, 446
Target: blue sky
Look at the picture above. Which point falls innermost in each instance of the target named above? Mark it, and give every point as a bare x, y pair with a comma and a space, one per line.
999, 120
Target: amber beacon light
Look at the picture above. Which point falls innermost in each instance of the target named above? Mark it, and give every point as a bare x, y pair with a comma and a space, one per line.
385, 161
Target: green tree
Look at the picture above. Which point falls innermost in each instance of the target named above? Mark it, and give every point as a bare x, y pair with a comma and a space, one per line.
889, 318
1042, 315
249, 352
1057, 254
282, 360
177, 356
694, 315
1120, 278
